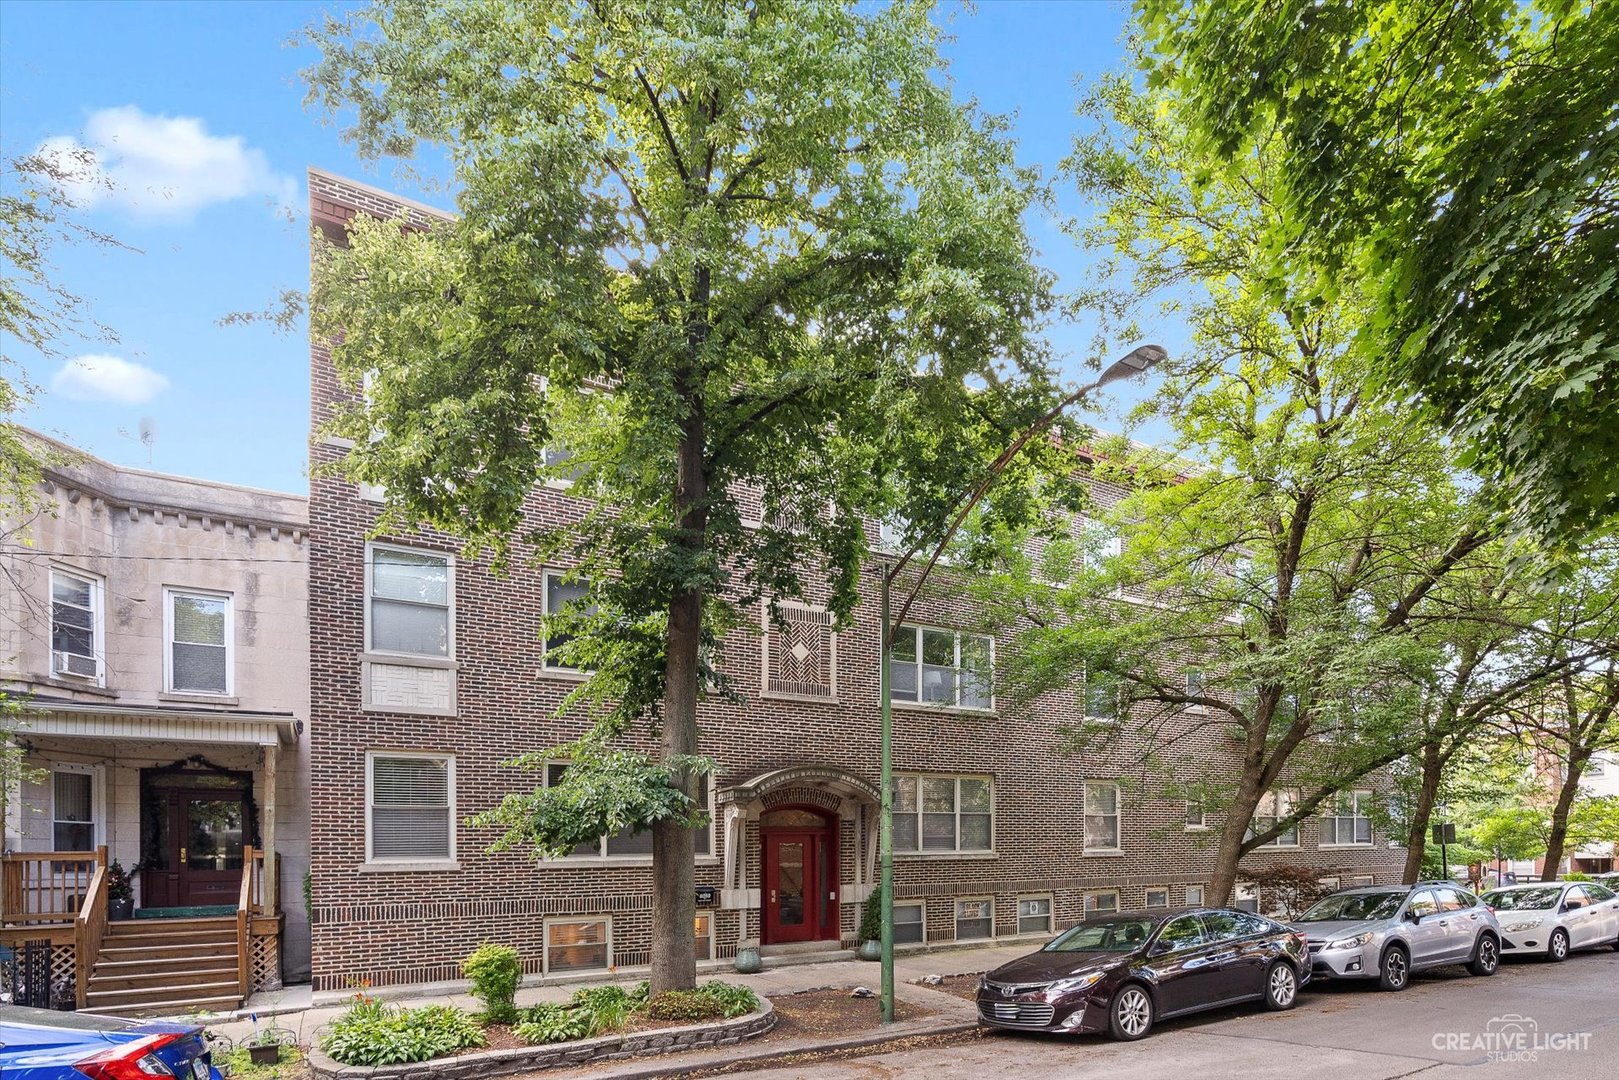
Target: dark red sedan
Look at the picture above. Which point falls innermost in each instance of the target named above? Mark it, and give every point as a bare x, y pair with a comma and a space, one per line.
1124, 973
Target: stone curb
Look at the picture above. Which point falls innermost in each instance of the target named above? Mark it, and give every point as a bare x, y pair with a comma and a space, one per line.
533, 1058
778, 1053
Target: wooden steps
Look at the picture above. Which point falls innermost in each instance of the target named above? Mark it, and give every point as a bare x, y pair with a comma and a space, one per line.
166, 967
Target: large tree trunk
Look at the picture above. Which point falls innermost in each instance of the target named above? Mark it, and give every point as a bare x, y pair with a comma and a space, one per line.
1433, 768
1558, 834
674, 900
1229, 855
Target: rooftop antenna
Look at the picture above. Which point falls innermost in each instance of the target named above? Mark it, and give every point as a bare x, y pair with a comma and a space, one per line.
147, 436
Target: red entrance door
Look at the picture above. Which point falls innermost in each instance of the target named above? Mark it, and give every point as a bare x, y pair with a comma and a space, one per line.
800, 884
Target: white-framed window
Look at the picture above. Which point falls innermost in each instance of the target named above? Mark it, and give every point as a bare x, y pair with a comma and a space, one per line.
78, 645
199, 635
1194, 896
75, 808
1245, 897
411, 601
1102, 832
562, 593
1156, 896
946, 669
1364, 879
1273, 807
578, 944
1595, 766
628, 844
1331, 884
410, 807
1104, 902
910, 923
1194, 682
1102, 697
975, 918
1034, 915
1100, 541
1351, 823
1197, 816
943, 814
703, 933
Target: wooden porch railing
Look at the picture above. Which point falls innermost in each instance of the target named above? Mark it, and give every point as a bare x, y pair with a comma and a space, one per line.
252, 878
89, 927
46, 886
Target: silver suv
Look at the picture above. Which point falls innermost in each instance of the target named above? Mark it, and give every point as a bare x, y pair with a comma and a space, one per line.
1386, 932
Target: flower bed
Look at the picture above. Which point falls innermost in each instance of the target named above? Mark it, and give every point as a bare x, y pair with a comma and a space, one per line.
467, 1066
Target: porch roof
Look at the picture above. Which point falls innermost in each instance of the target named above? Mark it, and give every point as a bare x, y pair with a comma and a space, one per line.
52, 716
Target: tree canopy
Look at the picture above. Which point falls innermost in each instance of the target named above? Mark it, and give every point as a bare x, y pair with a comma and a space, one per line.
742, 274
1457, 163
1257, 622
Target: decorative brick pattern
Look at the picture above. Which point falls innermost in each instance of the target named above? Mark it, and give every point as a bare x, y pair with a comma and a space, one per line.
801, 654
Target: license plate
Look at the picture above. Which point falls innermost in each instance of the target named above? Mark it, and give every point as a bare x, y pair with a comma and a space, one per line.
199, 1070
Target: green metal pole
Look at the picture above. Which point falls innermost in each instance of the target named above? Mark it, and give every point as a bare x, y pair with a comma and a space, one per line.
886, 825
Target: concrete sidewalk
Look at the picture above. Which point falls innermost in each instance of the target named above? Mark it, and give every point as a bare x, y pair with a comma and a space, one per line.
292, 1009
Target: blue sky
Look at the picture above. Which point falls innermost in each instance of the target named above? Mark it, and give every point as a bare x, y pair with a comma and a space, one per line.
204, 102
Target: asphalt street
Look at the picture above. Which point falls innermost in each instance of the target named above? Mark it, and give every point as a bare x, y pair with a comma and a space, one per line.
1531, 1020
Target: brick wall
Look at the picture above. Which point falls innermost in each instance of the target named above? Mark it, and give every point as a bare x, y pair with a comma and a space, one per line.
403, 927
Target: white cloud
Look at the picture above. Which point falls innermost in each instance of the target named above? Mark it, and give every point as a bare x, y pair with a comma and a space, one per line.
95, 377
161, 166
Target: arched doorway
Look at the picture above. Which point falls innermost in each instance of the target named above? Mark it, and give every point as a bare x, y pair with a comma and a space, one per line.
799, 898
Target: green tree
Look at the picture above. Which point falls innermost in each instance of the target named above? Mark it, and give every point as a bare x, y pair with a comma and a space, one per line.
792, 270
1455, 162
1289, 565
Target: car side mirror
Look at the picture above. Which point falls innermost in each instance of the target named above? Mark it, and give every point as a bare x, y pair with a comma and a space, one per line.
1412, 916
1159, 948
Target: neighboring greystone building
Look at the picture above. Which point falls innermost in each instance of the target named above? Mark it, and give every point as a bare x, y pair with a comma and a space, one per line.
428, 672
155, 630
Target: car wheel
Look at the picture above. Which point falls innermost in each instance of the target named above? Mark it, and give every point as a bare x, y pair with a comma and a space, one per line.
1131, 1015
1281, 986
1394, 970
1486, 956
1557, 947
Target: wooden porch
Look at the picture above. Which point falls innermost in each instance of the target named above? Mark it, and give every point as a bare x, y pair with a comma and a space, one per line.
57, 900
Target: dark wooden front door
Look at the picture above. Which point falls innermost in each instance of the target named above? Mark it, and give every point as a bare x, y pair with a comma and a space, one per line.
200, 859
800, 885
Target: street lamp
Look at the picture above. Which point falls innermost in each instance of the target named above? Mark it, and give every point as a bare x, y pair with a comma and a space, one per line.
1131, 364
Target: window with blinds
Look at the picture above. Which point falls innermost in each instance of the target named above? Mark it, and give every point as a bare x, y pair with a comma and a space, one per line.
411, 808
410, 602
199, 643
73, 814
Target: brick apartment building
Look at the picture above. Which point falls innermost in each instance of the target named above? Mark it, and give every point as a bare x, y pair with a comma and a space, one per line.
427, 672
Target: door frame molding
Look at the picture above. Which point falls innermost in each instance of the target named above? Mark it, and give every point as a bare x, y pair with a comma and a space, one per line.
154, 802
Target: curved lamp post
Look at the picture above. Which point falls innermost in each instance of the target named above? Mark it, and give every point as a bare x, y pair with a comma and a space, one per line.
1131, 364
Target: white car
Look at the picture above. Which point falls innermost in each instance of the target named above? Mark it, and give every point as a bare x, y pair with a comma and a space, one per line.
1555, 917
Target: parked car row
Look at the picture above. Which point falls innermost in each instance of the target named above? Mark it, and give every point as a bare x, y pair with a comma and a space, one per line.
1122, 974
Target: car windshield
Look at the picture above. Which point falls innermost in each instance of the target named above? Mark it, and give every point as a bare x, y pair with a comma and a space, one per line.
1524, 899
1119, 935
1353, 907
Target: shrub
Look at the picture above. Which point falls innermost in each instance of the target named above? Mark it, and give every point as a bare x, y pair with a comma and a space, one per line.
606, 1008
551, 1022
371, 1033
711, 1001
871, 917
494, 972
684, 1005
735, 1000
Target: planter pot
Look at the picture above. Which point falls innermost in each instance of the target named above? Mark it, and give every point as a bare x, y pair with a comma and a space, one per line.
870, 950
264, 1054
120, 910
748, 962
